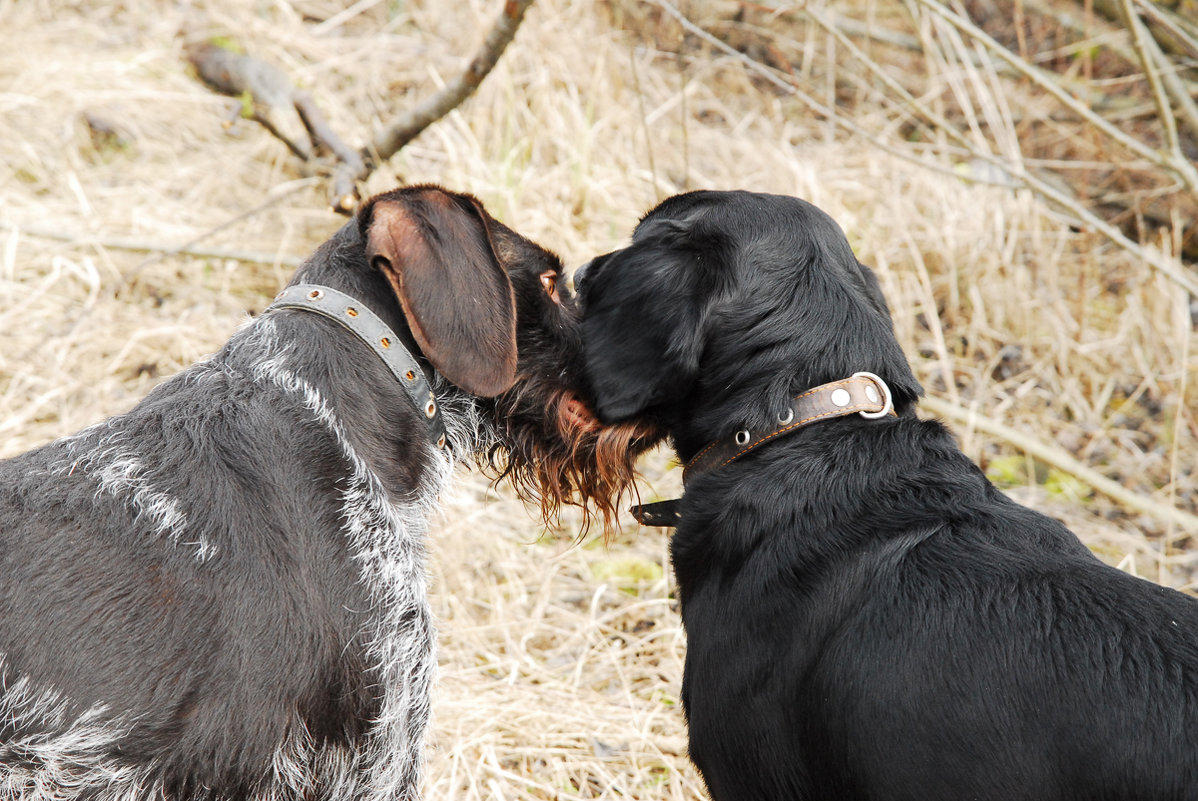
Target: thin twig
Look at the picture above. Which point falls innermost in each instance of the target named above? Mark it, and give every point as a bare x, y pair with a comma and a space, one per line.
143, 246
1061, 460
1168, 267
1139, 41
772, 76
1164, 72
405, 127
341, 17
1185, 40
640, 100
276, 195
1184, 170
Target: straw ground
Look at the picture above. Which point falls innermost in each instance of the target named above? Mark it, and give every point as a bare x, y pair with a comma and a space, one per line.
560, 662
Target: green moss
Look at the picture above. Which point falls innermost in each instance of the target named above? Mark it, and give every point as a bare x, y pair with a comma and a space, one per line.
1017, 470
227, 43
1067, 486
626, 572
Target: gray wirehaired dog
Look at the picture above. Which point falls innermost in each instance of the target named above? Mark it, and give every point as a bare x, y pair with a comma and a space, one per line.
220, 595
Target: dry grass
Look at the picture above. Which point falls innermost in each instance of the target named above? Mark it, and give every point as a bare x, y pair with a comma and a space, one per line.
560, 662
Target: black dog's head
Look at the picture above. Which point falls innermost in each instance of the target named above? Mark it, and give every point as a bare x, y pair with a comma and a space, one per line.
489, 311
725, 306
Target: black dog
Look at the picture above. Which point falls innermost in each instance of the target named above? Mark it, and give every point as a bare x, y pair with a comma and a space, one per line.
867, 616
220, 595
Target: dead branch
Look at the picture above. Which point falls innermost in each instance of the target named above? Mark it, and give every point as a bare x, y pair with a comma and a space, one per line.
405, 127
165, 249
349, 163
1058, 458
291, 115
265, 91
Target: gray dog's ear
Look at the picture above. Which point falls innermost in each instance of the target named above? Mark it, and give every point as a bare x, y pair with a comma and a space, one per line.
435, 249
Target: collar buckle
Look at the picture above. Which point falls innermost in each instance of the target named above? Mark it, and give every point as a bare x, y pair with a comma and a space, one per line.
871, 395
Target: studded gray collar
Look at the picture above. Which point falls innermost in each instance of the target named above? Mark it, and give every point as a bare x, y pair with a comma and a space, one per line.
368, 327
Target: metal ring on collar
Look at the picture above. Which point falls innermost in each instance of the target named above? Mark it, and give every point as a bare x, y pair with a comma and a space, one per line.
888, 401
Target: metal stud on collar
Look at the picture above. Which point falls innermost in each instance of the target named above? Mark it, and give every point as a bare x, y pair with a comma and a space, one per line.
368, 327
743, 436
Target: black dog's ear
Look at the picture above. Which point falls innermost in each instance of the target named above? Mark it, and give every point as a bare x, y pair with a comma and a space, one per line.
642, 332
436, 250
873, 290
903, 384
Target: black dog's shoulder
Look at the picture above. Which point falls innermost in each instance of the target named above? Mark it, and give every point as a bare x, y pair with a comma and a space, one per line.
905, 596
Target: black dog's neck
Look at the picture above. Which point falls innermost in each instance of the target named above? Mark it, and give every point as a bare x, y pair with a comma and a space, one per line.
719, 407
825, 490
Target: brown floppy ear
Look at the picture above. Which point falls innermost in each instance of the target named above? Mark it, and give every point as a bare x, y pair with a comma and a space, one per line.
436, 251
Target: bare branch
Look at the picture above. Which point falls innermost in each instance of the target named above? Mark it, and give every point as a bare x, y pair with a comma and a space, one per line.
1183, 170
1061, 460
147, 246
1140, 39
265, 91
343, 196
407, 126
269, 98
290, 114
158, 251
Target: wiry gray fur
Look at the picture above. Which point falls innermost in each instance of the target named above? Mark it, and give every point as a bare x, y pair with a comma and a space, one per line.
221, 594
51, 750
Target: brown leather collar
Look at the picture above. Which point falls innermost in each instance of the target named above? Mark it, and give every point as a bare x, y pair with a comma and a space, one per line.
862, 393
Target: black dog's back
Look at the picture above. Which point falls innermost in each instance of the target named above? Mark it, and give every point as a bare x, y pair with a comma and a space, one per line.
867, 616
930, 639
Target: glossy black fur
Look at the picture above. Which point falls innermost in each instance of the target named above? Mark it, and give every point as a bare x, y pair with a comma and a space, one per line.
867, 616
219, 595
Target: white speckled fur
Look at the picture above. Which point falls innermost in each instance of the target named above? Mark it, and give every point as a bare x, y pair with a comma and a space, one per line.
71, 756
387, 538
